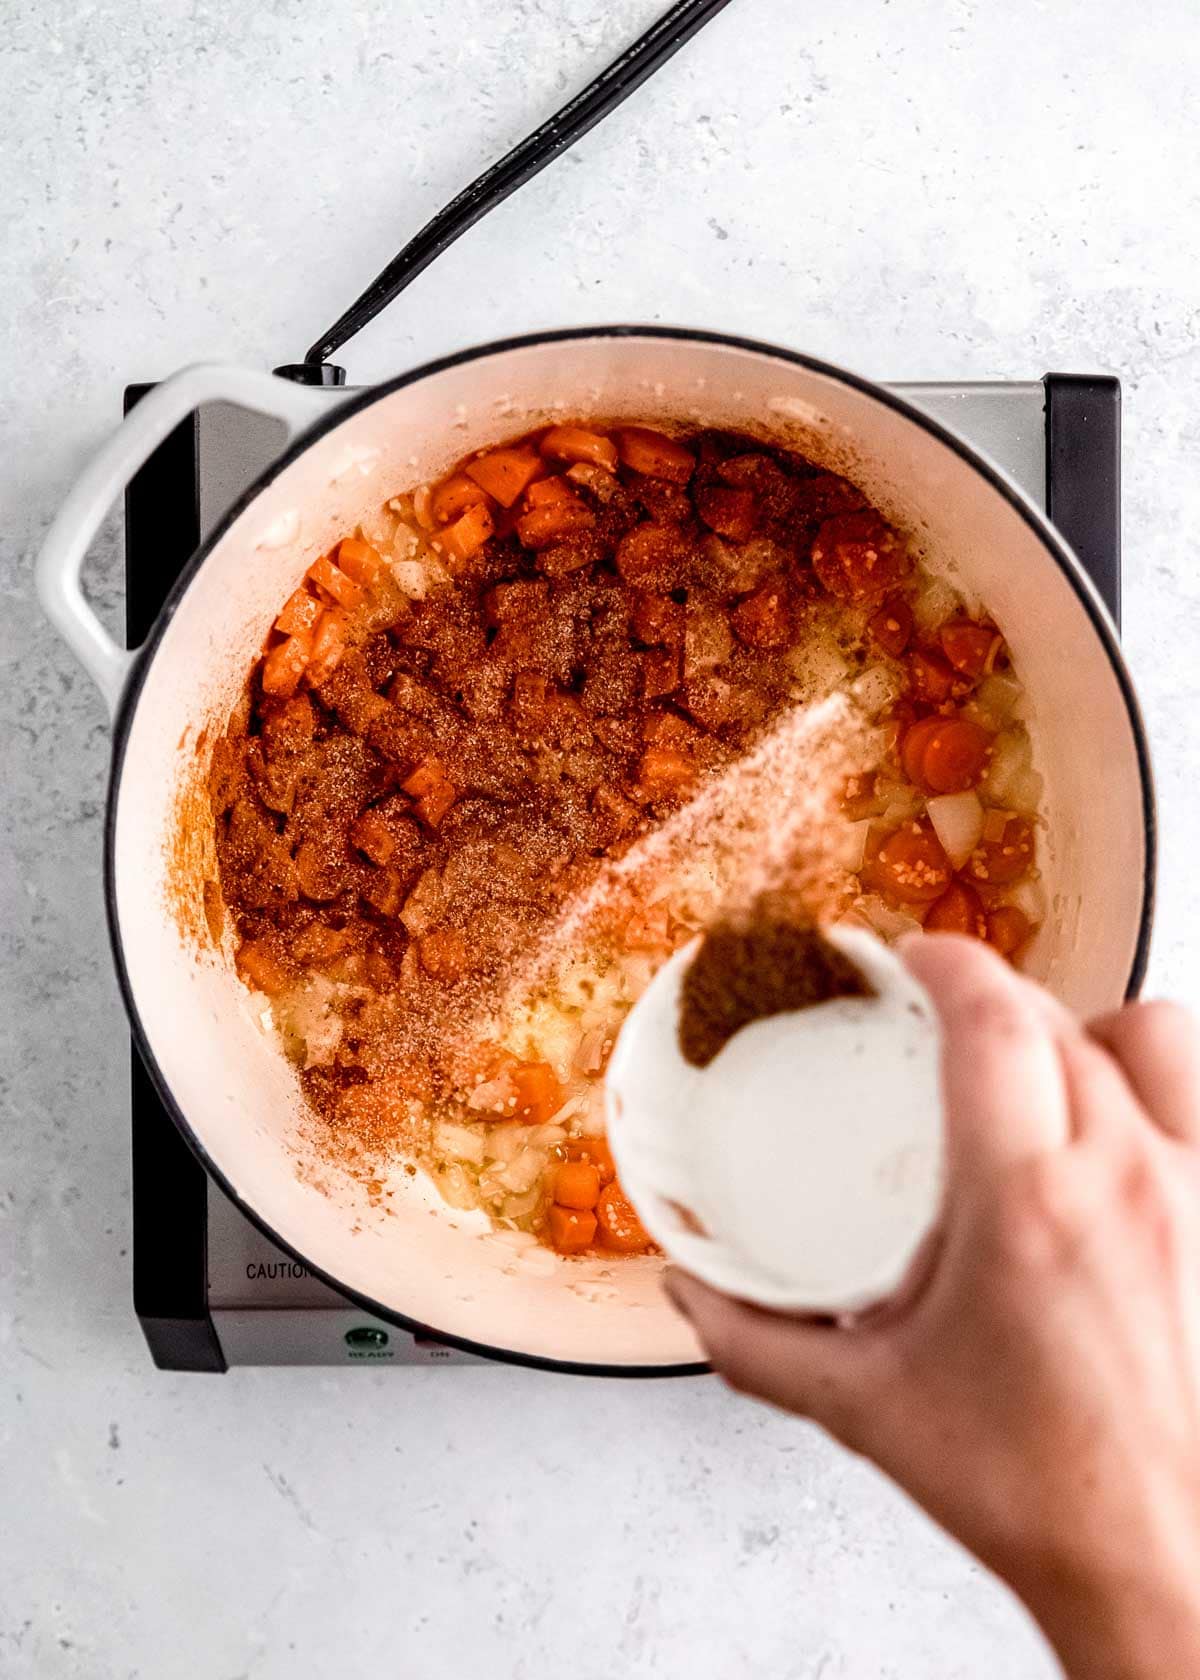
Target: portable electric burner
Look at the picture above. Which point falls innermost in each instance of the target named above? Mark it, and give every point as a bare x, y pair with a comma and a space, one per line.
210, 1290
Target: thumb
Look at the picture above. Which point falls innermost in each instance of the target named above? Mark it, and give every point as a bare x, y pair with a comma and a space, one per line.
834, 1376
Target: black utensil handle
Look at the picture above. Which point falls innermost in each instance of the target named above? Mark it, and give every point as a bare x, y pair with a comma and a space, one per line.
601, 96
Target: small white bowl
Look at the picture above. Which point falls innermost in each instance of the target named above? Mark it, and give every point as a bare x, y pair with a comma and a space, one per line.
802, 1167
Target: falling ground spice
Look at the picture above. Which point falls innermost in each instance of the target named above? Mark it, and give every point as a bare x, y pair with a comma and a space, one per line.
769, 959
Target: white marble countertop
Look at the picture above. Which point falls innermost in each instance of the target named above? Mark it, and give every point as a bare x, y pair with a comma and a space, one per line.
939, 189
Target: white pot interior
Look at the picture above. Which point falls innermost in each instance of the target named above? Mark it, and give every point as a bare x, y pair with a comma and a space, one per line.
237, 1093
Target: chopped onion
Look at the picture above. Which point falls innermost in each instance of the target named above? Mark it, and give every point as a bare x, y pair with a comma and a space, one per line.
520, 1207
412, 577
637, 971
591, 1122
523, 1172
505, 1142
999, 696
1029, 896
457, 1186
876, 688
1025, 792
935, 604
995, 826
1011, 754
856, 845
421, 505
461, 1143
888, 923
494, 1096
957, 820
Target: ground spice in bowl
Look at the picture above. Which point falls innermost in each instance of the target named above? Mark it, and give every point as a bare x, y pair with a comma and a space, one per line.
767, 959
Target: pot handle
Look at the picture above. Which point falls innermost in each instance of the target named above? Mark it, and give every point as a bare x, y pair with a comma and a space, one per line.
110, 470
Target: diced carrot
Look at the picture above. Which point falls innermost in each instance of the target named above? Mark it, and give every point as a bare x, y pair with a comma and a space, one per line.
892, 626
285, 665
340, 589
660, 672
543, 491
572, 1230
453, 496
504, 473
359, 560
539, 1093
432, 790
300, 612
621, 812
573, 443
549, 523
658, 620
320, 943
859, 557
651, 554
577, 1185
763, 620
913, 743
958, 911
262, 968
620, 1227
997, 863
971, 648
372, 834
1008, 928
329, 644
468, 534
930, 675
730, 513
596, 1151
444, 954
910, 866
951, 757
665, 770
655, 454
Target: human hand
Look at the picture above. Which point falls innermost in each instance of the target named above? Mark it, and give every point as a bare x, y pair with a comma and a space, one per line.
1036, 1383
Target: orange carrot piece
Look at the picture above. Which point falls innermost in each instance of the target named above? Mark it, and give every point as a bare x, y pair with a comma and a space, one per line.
300, 612
912, 746
596, 1152
328, 646
444, 954
958, 911
573, 443
504, 473
577, 1185
552, 521
259, 965
1008, 928
931, 675
359, 560
468, 534
730, 513
285, 665
971, 648
664, 770
433, 791
892, 626
910, 867
955, 756
572, 1230
341, 589
453, 496
620, 1227
655, 454
544, 491
998, 863
539, 1093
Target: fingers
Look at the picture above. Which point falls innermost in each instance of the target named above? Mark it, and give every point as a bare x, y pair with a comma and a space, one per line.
1158, 1047
1002, 1079
832, 1376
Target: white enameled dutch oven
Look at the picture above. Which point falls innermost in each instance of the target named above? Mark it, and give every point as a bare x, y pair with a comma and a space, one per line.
230, 1089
